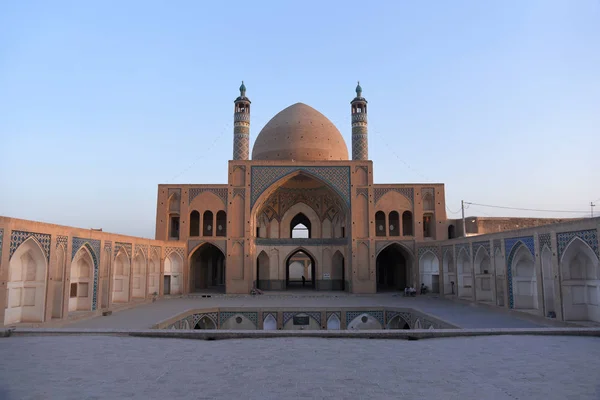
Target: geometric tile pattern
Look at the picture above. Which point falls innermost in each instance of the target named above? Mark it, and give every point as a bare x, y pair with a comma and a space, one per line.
108, 246
545, 240
336, 313
511, 246
126, 246
363, 191
62, 240
351, 315
178, 250
381, 244
93, 246
433, 249
156, 251
271, 313
464, 246
485, 245
142, 248
219, 192
448, 249
389, 315
497, 245
589, 236
409, 193
262, 177
316, 315
239, 192
18, 237
225, 315
212, 316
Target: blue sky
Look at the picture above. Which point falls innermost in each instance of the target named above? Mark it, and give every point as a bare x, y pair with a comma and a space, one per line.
102, 101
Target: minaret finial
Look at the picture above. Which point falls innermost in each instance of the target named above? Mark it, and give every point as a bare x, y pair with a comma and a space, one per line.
243, 90
358, 90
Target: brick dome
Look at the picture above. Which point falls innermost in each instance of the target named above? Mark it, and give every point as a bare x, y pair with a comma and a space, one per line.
300, 133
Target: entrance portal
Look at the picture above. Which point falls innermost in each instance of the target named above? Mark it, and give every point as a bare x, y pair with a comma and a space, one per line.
300, 271
207, 269
392, 271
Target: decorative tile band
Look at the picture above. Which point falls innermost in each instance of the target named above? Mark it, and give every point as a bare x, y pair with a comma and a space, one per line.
219, 192
352, 315
497, 245
425, 249
478, 245
382, 244
18, 237
62, 240
225, 315
301, 242
363, 191
93, 246
590, 237
511, 246
313, 314
262, 177
545, 240
463, 246
178, 250
126, 246
409, 193
446, 250
143, 249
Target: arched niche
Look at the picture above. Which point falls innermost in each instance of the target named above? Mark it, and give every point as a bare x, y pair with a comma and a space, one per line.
484, 278
398, 322
269, 323
393, 268
172, 278
139, 276
263, 267
524, 282
121, 277
580, 286
311, 218
429, 267
364, 322
82, 281
333, 323
464, 269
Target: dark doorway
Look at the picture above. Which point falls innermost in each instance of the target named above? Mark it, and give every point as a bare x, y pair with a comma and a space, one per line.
300, 227
451, 232
207, 270
167, 285
392, 269
300, 271
338, 273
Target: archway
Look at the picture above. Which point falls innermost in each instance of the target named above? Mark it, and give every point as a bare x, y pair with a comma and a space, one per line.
429, 267
82, 281
205, 322
262, 271
26, 284
120, 292
392, 267
524, 282
579, 267
139, 276
338, 273
300, 227
300, 270
465, 277
449, 273
207, 269
172, 275
397, 322
451, 232
483, 278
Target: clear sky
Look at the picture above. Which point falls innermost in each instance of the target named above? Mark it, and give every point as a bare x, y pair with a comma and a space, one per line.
102, 101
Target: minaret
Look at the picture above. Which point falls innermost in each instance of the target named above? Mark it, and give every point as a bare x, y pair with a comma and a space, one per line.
360, 140
241, 126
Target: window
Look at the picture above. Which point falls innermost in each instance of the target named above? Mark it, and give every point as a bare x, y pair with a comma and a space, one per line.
394, 223
207, 229
300, 227
380, 223
221, 223
194, 223
427, 225
73, 290
407, 223
174, 227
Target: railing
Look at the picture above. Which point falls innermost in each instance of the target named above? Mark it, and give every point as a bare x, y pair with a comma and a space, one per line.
301, 242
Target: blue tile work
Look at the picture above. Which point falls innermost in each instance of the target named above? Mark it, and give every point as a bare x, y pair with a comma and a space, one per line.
93, 247
351, 315
545, 240
126, 246
463, 246
213, 316
406, 316
425, 249
108, 246
18, 237
511, 246
143, 249
409, 193
485, 245
225, 315
589, 236
262, 177
64, 240
219, 192
178, 250
316, 315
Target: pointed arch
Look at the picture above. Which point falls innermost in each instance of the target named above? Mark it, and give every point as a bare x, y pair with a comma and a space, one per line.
579, 266
263, 271
333, 322
522, 282
398, 322
338, 271
56, 285
429, 269
121, 276
269, 323
82, 280
172, 279
464, 272
207, 267
293, 279
139, 275
26, 285
449, 272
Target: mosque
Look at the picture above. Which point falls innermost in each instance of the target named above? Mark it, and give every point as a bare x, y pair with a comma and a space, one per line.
301, 213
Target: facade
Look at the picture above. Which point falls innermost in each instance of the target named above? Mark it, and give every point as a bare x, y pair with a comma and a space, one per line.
302, 206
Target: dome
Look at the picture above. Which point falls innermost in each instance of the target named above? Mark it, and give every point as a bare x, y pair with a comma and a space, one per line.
300, 133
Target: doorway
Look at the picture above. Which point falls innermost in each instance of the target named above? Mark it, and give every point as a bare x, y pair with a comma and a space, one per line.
300, 271
167, 284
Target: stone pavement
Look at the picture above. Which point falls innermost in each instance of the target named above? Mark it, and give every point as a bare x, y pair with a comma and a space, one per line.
498, 367
456, 313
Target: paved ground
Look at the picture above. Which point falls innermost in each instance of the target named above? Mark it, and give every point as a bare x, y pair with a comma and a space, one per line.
459, 314
499, 367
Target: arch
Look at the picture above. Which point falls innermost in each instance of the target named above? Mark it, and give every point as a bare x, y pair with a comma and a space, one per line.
393, 267
237, 321
394, 219
398, 322
205, 322
269, 323
120, 293
82, 280
300, 226
464, 271
449, 273
263, 275
194, 223
407, 224
26, 284
428, 225
207, 223
314, 222
380, 224
172, 279
139, 276
153, 273
333, 323
581, 289
429, 267
451, 231
524, 282
221, 225
364, 322
418, 324
483, 282
207, 268
338, 271
293, 279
